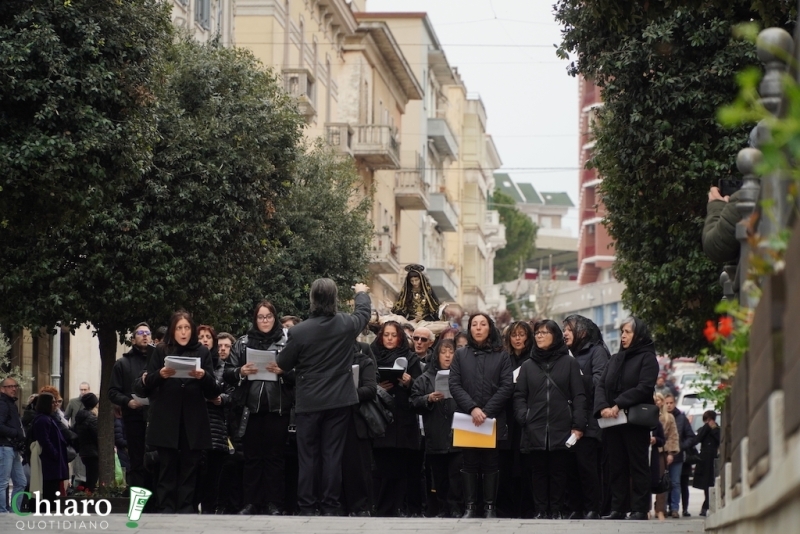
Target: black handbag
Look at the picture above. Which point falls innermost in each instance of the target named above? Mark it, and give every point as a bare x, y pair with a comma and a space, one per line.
664, 484
645, 415
377, 413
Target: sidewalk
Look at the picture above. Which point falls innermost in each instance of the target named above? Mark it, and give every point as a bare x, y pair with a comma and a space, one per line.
217, 524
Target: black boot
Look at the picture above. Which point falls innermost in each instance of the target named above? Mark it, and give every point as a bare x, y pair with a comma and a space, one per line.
490, 484
470, 481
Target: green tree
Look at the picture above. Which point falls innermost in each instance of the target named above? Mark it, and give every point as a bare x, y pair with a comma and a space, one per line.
183, 222
520, 239
664, 68
325, 231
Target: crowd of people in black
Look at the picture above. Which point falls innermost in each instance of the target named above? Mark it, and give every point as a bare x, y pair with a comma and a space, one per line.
274, 422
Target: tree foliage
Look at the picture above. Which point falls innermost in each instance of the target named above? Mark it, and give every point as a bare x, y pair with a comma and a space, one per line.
325, 231
520, 239
664, 69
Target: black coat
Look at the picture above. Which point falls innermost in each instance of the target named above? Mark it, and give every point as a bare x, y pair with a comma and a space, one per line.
709, 439
176, 402
11, 433
54, 447
320, 350
216, 413
655, 460
514, 428
549, 409
259, 395
367, 384
437, 417
123, 375
86, 428
593, 359
482, 378
629, 379
685, 435
404, 432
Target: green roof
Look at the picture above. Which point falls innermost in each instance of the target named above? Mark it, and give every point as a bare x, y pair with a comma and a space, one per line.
504, 183
557, 199
531, 196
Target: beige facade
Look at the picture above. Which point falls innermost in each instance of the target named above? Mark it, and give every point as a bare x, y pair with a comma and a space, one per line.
205, 19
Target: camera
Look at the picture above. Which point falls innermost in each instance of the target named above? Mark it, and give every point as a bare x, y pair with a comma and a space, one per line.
728, 186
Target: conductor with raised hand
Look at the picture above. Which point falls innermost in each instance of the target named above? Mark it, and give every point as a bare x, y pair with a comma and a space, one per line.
320, 350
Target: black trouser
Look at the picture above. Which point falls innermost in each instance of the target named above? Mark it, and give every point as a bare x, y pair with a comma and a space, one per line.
446, 473
92, 465
356, 472
177, 476
396, 477
686, 472
320, 446
230, 492
264, 445
481, 460
210, 483
705, 502
584, 478
515, 495
549, 479
629, 467
49, 489
135, 430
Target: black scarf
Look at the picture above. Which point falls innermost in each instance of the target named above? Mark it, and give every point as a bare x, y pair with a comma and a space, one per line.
386, 357
256, 339
545, 357
176, 349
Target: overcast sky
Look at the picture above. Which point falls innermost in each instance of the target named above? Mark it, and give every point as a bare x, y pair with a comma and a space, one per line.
504, 51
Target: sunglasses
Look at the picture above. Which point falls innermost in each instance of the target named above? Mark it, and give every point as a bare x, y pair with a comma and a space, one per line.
143, 332
420, 338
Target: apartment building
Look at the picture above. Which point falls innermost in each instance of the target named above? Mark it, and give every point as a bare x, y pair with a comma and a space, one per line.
205, 19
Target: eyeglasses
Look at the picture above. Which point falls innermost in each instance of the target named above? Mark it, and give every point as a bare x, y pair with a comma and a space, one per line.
263, 318
420, 338
12, 386
542, 333
143, 332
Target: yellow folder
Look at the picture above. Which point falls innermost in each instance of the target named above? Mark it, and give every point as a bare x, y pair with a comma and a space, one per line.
465, 438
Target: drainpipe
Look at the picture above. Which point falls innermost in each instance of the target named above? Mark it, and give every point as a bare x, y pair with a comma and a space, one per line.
55, 360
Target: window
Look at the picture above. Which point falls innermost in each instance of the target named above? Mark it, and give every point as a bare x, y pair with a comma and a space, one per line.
202, 13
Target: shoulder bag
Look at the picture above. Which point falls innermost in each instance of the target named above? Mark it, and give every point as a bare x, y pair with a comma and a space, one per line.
645, 415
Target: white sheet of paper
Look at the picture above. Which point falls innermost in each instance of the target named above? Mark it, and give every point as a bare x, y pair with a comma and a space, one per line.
400, 363
356, 371
462, 421
606, 422
261, 358
516, 373
442, 383
182, 365
144, 401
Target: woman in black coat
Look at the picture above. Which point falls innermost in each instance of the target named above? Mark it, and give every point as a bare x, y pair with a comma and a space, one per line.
709, 438
53, 454
178, 425
481, 382
86, 428
357, 457
398, 456
437, 420
515, 495
586, 345
208, 484
550, 403
266, 408
629, 379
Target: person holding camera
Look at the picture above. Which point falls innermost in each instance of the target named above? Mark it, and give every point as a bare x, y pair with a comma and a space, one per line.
719, 231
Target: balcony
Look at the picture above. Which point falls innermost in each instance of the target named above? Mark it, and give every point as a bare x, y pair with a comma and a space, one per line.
443, 283
383, 255
495, 230
442, 136
376, 146
300, 84
410, 190
339, 135
443, 212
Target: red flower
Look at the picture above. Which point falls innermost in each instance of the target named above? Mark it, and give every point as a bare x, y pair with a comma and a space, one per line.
726, 326
722, 385
710, 331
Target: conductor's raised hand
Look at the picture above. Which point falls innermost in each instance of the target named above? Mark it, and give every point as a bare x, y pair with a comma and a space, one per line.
361, 288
